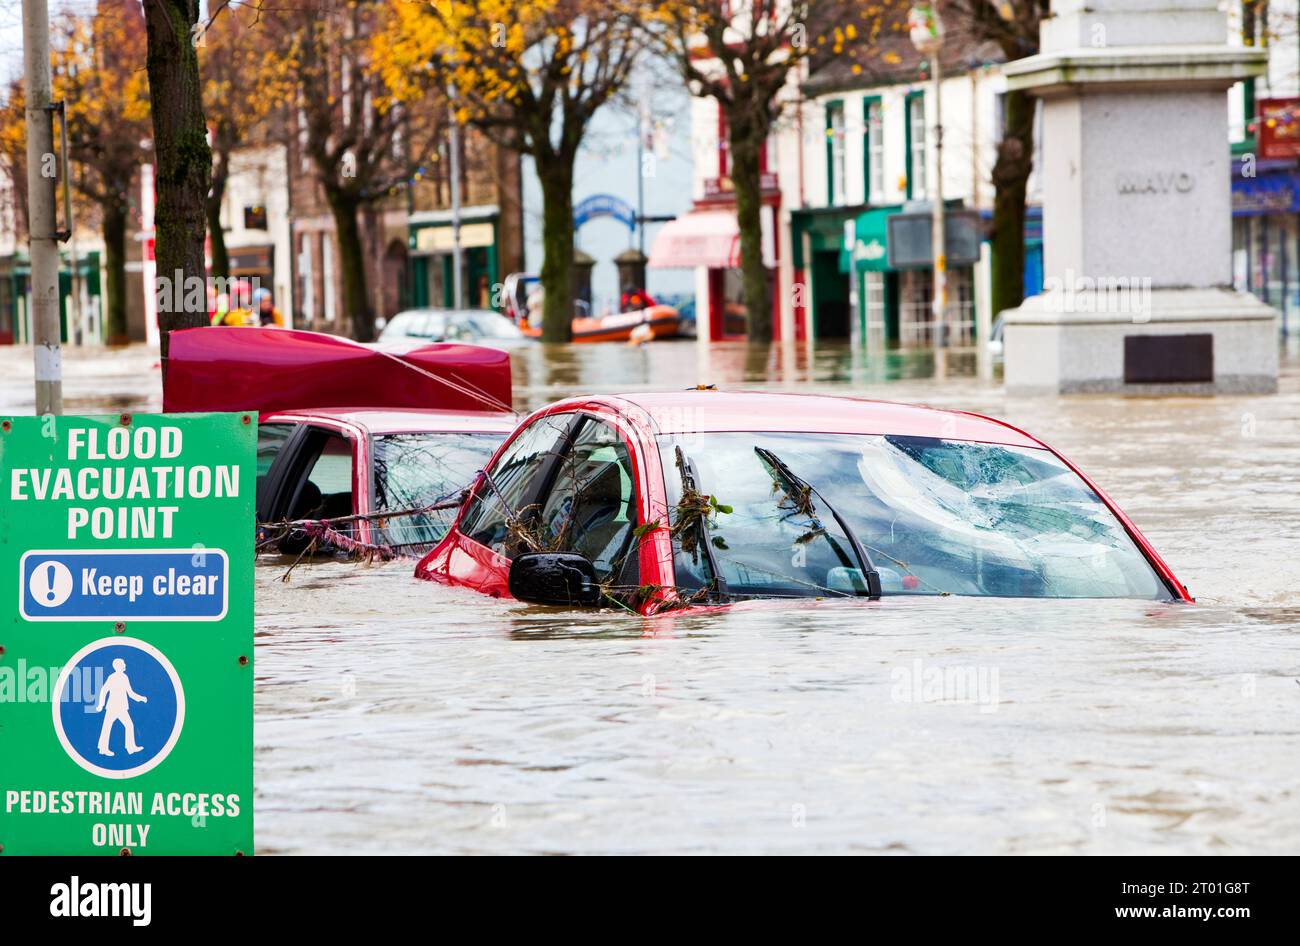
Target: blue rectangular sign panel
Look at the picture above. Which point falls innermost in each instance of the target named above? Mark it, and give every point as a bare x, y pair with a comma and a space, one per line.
124, 585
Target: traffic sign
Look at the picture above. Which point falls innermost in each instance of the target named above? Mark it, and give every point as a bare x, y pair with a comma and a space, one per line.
126, 639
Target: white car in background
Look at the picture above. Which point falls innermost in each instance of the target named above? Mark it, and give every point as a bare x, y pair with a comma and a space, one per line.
471, 326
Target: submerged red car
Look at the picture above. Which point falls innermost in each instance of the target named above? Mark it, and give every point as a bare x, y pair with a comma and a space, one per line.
349, 430
654, 501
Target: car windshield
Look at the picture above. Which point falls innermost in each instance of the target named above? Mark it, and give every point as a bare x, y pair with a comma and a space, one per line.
492, 325
430, 325
416, 470
932, 516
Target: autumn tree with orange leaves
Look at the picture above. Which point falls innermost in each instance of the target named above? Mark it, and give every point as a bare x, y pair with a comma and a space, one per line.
530, 74
95, 65
246, 85
96, 68
363, 146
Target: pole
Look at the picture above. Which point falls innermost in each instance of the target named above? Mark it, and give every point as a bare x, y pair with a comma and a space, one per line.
939, 304
41, 235
643, 122
457, 299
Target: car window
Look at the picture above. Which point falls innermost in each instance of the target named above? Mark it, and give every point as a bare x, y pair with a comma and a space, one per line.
460, 329
492, 325
494, 514
434, 327
424, 469
270, 440
591, 508
397, 326
327, 491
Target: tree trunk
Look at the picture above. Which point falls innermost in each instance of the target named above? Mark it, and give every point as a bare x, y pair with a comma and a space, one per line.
557, 249
217, 236
113, 229
352, 264
1010, 177
746, 142
184, 161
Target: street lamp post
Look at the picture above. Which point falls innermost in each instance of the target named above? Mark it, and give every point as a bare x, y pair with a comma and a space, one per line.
926, 31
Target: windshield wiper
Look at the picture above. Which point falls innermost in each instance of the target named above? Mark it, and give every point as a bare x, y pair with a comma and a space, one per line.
687, 469
793, 479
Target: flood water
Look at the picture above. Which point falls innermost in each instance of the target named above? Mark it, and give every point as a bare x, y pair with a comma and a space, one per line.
398, 716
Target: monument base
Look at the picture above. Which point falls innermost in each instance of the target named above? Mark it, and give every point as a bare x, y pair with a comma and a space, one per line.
1169, 342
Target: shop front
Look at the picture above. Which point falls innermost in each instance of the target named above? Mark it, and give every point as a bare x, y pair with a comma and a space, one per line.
707, 240
888, 252
1266, 235
818, 240
81, 321
432, 243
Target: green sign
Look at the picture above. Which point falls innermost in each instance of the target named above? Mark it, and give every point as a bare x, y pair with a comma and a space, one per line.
126, 646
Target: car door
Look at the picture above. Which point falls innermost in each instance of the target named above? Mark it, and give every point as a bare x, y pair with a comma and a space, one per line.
314, 475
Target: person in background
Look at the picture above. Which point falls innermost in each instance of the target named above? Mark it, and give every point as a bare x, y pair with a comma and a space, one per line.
635, 299
220, 309
264, 311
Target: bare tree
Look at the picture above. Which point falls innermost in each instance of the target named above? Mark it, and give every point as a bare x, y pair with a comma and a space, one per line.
1013, 26
744, 56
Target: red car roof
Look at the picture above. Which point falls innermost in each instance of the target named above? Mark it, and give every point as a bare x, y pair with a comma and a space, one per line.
717, 411
378, 421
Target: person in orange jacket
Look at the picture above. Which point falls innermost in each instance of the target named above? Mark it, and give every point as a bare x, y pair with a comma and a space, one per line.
263, 312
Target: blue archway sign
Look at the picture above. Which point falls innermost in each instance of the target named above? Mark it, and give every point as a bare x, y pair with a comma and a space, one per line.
604, 205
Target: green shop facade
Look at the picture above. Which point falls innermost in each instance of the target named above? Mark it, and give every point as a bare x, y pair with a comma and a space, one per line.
430, 245
15, 300
852, 292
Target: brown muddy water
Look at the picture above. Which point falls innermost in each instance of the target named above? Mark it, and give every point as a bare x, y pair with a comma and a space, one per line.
395, 716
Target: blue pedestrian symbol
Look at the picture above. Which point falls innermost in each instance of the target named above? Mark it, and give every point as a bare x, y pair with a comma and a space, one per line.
118, 707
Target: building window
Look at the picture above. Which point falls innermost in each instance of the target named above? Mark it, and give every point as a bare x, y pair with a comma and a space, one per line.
835, 153
916, 152
875, 151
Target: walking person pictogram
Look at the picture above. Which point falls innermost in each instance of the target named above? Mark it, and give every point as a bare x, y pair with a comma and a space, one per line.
117, 692
139, 688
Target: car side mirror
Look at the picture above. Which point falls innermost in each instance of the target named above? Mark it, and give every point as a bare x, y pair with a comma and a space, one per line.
563, 578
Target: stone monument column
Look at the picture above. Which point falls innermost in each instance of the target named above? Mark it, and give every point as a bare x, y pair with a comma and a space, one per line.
1137, 214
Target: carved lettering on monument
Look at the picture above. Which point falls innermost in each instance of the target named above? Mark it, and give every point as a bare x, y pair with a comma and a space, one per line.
1155, 182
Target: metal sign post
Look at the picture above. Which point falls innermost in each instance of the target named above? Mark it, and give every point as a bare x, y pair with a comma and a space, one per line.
41, 228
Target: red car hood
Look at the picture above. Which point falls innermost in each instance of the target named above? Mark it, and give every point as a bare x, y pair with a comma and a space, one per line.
267, 369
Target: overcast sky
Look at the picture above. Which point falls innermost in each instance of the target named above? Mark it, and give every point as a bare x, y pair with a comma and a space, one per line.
11, 31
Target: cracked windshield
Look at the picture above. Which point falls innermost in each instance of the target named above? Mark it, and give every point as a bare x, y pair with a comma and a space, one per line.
933, 517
